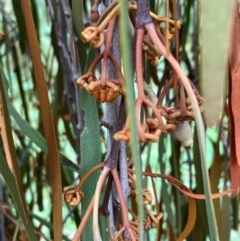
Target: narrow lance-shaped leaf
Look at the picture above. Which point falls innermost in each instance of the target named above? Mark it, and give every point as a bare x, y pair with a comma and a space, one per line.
192, 213
25, 127
12, 174
226, 219
90, 149
130, 100
47, 119
77, 12
90, 153
214, 29
28, 130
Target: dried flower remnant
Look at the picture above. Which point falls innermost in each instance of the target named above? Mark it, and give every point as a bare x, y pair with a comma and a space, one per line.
108, 93
73, 197
104, 90
183, 133
93, 36
153, 118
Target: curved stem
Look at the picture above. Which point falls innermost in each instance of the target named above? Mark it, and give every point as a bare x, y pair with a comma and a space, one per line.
138, 113
107, 11
139, 69
163, 93
108, 18
117, 68
176, 29
87, 175
123, 205
156, 112
107, 51
151, 46
101, 180
110, 34
83, 223
119, 233
94, 63
167, 26
104, 208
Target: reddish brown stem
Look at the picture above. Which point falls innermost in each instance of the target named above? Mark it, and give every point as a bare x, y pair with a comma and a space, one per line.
163, 93
139, 69
156, 113
122, 202
138, 105
100, 183
83, 223
94, 63
107, 51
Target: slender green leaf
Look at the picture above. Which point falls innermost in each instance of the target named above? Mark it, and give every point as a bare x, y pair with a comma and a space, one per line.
90, 149
175, 163
21, 26
235, 212
130, 100
215, 26
90, 153
9, 148
46, 223
226, 219
199, 180
12, 184
165, 196
77, 13
25, 127
29, 131
215, 175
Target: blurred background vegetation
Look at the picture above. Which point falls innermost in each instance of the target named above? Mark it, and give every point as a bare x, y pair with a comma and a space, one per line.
65, 57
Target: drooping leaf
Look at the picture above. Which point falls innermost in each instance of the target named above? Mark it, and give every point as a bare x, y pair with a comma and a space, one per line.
25, 127
175, 164
235, 212
46, 223
192, 213
226, 219
214, 32
13, 184
12, 174
199, 184
21, 26
215, 174
49, 130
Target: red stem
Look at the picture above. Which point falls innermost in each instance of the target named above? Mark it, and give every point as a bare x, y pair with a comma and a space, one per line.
107, 51
139, 69
83, 223
122, 202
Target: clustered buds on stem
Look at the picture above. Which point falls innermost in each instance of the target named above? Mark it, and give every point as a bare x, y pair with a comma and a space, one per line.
108, 90
107, 93
153, 119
